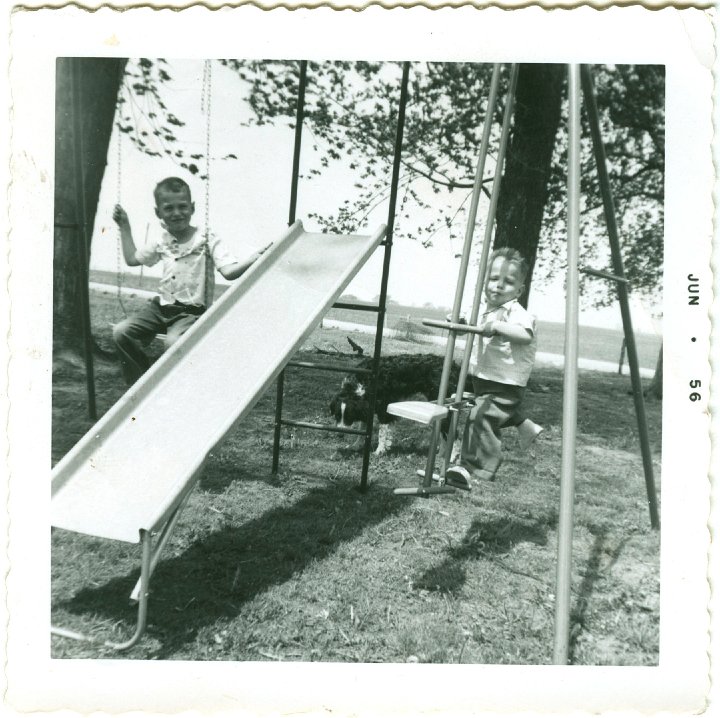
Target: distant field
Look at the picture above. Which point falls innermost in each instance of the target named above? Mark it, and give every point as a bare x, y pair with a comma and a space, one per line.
595, 343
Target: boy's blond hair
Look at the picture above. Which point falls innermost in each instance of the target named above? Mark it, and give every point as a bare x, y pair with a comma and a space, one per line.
511, 255
171, 184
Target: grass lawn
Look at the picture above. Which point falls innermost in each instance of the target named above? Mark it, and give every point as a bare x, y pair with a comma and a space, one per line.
302, 567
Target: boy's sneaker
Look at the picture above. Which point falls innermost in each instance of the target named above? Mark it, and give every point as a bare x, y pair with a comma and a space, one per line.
459, 477
528, 431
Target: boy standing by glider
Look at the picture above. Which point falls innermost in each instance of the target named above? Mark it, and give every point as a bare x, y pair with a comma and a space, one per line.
500, 372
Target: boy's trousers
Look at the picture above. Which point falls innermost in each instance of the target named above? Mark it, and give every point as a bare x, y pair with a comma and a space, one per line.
496, 407
138, 330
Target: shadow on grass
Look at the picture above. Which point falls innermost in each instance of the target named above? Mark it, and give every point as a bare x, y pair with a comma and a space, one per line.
215, 576
593, 572
483, 540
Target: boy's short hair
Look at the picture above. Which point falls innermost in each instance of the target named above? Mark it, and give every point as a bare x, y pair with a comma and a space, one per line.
171, 184
511, 255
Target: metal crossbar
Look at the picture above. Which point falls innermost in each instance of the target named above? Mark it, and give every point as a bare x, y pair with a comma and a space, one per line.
329, 367
603, 275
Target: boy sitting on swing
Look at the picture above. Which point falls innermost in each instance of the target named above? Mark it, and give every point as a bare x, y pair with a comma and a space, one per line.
185, 289
500, 372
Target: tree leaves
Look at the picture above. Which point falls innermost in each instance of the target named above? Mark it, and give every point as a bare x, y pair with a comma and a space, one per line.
351, 113
144, 116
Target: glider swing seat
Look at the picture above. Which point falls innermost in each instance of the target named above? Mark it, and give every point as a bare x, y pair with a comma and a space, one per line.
433, 413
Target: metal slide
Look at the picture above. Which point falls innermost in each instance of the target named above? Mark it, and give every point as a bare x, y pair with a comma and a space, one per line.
130, 473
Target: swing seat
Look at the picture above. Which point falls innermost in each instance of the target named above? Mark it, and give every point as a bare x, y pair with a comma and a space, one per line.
423, 412
426, 412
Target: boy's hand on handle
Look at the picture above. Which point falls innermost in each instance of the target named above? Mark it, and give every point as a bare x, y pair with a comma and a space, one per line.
126, 239
120, 217
461, 320
488, 328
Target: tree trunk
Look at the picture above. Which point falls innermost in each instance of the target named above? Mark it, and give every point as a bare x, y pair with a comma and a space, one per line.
86, 91
524, 189
655, 389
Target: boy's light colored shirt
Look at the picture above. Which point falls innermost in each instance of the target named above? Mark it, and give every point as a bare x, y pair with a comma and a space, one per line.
183, 264
498, 359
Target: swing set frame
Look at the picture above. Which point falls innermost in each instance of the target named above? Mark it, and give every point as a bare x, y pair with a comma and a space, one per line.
579, 83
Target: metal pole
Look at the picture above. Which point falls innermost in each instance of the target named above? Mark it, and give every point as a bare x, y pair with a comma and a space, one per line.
487, 241
279, 388
160, 545
569, 425
83, 243
467, 244
490, 222
143, 594
299, 115
386, 264
460, 289
623, 296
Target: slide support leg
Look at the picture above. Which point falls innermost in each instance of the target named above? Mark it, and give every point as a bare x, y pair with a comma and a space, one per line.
144, 593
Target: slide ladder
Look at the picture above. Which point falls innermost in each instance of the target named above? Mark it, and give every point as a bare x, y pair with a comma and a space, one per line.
129, 476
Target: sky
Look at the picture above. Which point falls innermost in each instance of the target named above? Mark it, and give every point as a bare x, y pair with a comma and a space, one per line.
249, 201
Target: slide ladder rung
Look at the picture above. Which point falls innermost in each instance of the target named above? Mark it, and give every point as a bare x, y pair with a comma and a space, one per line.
346, 368
356, 306
323, 427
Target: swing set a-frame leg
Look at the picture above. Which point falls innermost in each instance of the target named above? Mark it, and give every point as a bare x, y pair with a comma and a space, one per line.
622, 290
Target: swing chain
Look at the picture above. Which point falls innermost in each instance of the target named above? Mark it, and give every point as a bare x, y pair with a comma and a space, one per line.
119, 261
205, 106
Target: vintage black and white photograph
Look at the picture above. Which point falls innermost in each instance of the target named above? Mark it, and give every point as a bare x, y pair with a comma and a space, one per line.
331, 534
359, 360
